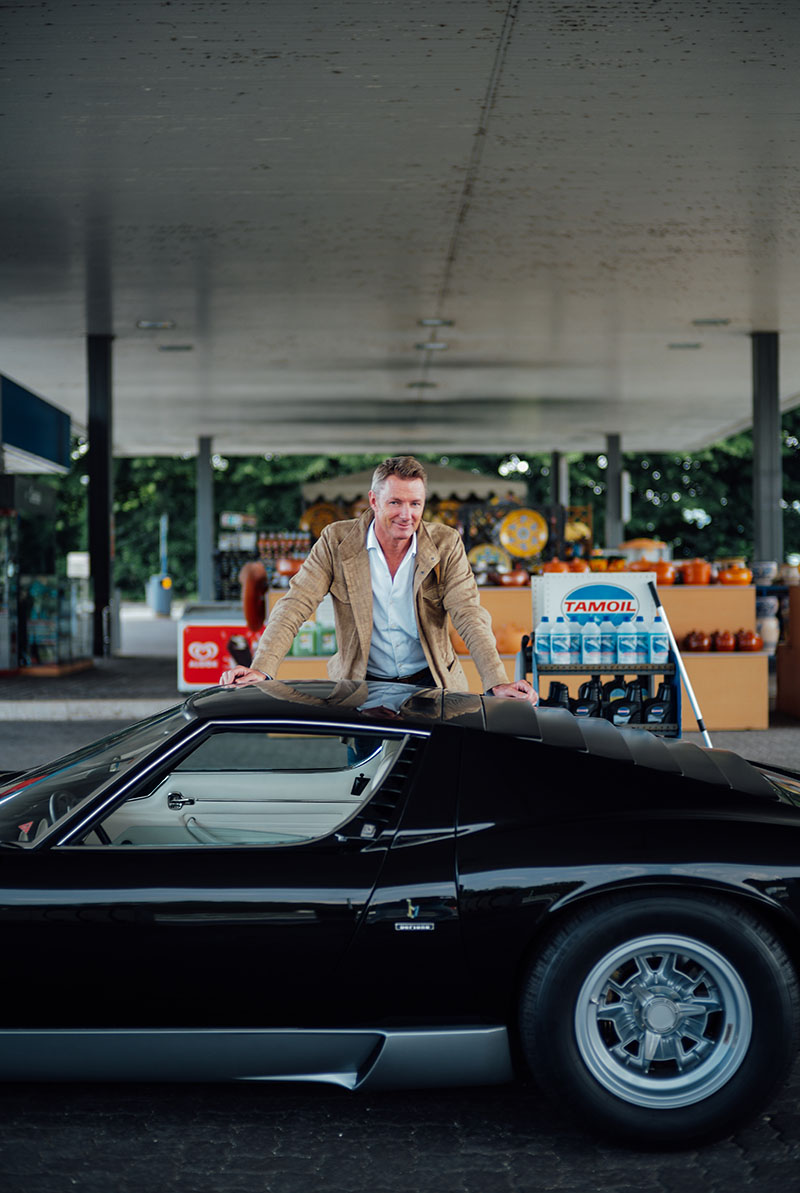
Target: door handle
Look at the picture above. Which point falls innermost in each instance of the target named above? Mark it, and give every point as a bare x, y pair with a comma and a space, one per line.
175, 800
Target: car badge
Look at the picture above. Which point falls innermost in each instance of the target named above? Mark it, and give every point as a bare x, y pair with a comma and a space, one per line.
412, 923
368, 830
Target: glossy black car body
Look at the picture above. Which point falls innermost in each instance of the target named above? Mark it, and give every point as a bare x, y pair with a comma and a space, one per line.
386, 887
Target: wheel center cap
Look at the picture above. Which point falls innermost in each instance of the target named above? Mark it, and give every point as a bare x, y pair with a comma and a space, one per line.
661, 1015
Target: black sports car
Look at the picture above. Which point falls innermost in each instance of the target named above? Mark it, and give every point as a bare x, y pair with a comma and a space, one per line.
380, 886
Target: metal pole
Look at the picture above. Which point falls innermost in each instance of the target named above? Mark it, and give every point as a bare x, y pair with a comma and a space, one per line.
767, 471
680, 665
559, 479
614, 525
205, 521
98, 349
163, 529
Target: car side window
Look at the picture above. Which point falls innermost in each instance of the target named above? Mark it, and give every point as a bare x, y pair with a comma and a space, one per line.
241, 787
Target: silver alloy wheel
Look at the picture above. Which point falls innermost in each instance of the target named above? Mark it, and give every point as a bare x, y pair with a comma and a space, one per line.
663, 1021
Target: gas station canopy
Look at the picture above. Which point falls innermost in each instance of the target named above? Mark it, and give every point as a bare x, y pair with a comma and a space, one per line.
458, 225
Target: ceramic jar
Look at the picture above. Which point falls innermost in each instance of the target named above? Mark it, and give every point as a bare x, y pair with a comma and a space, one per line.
696, 571
735, 574
665, 571
749, 640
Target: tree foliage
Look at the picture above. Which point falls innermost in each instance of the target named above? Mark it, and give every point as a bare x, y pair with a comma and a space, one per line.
699, 502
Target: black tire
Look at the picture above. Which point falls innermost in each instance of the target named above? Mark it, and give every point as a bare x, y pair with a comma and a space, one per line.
661, 1019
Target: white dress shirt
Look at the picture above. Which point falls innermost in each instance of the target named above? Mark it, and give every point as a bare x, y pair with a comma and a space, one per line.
395, 648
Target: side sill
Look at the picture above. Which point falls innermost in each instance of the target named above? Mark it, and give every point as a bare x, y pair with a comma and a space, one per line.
355, 1058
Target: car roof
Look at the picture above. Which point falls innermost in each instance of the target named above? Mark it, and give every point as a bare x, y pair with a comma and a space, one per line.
370, 702
401, 706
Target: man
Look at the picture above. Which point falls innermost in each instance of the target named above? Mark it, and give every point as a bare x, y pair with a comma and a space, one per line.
393, 580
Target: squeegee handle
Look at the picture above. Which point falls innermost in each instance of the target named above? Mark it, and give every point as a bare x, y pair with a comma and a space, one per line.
680, 664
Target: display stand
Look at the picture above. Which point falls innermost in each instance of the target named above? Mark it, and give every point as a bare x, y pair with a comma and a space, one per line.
579, 598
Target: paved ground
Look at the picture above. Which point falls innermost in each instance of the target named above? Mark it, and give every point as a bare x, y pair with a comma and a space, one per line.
291, 1139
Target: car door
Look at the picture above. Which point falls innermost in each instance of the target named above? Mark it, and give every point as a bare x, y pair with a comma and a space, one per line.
243, 916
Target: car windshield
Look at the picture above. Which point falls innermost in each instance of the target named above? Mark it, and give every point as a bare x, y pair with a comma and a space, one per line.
33, 802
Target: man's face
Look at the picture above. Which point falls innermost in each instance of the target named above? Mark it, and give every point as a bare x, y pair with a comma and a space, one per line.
398, 508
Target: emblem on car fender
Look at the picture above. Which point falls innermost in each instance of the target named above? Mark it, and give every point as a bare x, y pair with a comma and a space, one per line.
412, 924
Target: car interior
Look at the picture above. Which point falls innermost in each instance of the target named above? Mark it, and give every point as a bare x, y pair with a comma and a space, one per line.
256, 788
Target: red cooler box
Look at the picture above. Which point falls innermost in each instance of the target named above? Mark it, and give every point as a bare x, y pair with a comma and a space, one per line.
211, 639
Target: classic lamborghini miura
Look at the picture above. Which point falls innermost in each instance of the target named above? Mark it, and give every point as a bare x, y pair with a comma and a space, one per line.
383, 886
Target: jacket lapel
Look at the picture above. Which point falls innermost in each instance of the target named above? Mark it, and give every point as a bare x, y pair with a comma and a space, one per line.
355, 569
427, 559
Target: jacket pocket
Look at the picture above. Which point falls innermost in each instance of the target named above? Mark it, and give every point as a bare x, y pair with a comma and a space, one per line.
432, 592
338, 591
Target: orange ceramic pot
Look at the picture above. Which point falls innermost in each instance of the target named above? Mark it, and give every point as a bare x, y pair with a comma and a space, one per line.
749, 640
696, 641
616, 565
736, 575
723, 640
578, 565
665, 571
641, 565
696, 571
555, 565
598, 563
516, 579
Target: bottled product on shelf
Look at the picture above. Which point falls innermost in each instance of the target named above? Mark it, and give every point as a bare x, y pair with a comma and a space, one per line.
608, 643
602, 646
562, 652
273, 549
642, 640
591, 645
542, 645
659, 641
626, 645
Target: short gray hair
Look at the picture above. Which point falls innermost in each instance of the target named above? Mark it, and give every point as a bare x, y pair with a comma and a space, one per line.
406, 467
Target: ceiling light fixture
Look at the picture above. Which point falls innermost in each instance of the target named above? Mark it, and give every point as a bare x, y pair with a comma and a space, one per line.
432, 346
422, 385
156, 324
175, 347
685, 346
710, 322
435, 322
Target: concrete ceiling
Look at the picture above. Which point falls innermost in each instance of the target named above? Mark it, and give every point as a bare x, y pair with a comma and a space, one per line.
296, 183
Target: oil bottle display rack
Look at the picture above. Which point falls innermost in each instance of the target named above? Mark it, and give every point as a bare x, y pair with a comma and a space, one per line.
624, 692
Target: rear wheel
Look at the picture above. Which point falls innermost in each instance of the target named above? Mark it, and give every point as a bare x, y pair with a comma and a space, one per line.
661, 1019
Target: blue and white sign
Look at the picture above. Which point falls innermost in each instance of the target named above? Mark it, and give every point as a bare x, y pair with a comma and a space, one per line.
592, 596
604, 602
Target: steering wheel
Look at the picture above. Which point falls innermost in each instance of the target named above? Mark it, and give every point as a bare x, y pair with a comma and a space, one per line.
64, 801
60, 803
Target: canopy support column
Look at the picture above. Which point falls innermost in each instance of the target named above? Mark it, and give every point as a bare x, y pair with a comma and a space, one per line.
101, 486
559, 479
767, 471
615, 529
205, 521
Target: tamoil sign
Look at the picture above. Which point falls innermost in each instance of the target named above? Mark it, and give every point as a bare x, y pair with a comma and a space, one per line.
600, 602
578, 598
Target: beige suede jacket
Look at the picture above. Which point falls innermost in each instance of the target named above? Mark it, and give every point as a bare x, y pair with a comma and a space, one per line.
443, 584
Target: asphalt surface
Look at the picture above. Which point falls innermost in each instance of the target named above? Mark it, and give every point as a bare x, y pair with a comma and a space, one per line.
247, 1138
292, 1139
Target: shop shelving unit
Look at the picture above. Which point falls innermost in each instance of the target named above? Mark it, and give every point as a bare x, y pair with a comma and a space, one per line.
527, 666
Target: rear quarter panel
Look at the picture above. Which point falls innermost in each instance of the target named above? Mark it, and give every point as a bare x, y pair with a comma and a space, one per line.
541, 829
